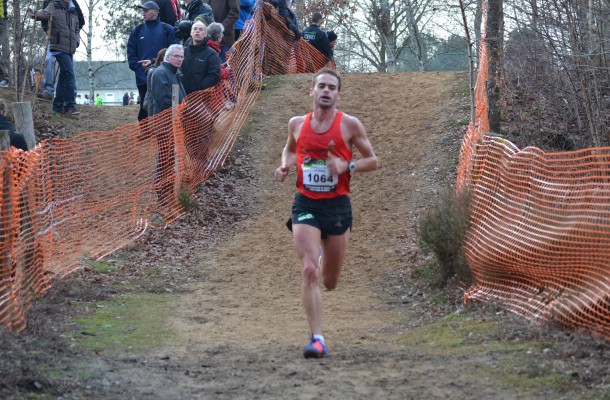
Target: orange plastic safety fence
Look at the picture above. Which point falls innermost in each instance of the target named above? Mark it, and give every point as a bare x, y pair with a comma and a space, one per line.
93, 193
539, 236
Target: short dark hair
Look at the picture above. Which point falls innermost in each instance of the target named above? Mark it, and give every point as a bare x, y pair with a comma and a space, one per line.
316, 17
327, 71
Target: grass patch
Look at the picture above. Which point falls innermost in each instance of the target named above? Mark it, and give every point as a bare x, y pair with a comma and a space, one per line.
135, 321
518, 365
102, 267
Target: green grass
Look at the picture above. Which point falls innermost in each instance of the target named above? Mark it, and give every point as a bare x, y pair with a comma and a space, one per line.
135, 321
518, 364
102, 267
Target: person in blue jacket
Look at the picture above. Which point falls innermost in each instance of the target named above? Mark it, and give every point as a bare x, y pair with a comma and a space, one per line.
144, 44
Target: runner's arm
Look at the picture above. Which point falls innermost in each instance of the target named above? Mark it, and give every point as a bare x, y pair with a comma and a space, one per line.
289, 154
369, 161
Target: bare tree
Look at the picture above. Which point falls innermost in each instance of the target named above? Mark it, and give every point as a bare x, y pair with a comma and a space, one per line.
380, 31
494, 35
472, 71
558, 55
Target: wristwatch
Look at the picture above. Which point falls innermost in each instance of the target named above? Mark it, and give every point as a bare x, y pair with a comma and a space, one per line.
351, 166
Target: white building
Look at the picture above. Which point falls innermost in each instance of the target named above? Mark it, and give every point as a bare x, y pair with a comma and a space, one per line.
111, 80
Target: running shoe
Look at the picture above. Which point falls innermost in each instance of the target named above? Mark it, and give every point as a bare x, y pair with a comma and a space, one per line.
315, 349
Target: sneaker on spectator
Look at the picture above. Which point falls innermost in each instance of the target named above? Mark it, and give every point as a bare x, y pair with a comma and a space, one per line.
58, 111
45, 95
3, 83
71, 111
315, 349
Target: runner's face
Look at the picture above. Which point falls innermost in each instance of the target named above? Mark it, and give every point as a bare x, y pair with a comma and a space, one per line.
325, 92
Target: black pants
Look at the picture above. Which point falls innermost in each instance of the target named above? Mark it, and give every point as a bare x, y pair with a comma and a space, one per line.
143, 112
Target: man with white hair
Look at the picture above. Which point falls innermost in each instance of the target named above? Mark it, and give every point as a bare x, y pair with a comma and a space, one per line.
165, 77
144, 44
201, 67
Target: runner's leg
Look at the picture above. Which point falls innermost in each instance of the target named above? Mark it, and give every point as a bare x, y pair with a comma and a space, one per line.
307, 243
334, 248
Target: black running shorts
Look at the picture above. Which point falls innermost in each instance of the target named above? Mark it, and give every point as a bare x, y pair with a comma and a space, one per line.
330, 216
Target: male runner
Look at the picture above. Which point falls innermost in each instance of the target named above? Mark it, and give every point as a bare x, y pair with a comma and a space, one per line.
320, 144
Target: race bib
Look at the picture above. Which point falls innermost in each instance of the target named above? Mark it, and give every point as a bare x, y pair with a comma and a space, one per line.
316, 177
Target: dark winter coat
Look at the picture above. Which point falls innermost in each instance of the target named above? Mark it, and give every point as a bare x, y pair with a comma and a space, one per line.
65, 26
162, 80
289, 19
144, 43
17, 140
166, 12
197, 8
226, 12
318, 39
201, 67
79, 13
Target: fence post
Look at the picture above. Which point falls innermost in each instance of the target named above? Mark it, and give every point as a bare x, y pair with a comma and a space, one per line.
24, 122
175, 98
6, 235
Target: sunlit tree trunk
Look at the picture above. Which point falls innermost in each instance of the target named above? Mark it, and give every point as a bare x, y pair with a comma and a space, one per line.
494, 37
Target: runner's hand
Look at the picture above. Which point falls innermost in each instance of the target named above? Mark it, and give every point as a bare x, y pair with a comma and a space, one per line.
335, 165
281, 173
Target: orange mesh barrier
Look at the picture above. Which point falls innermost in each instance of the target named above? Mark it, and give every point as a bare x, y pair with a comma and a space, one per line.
539, 236
91, 194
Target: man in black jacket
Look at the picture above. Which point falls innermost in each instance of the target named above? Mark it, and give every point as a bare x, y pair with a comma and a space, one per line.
201, 67
316, 36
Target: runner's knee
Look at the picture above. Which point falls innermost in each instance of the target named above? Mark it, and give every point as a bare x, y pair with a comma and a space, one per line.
310, 274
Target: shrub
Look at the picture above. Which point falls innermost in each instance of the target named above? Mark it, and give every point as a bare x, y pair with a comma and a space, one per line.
441, 231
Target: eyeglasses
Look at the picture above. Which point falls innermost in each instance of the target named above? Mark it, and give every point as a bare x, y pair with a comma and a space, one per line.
176, 56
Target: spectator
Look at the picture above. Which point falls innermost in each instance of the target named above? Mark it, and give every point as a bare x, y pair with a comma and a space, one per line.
79, 99
246, 9
48, 86
195, 8
64, 39
316, 36
147, 103
126, 99
169, 11
162, 81
3, 25
215, 34
87, 100
284, 8
201, 68
164, 77
98, 100
332, 40
17, 140
226, 12
144, 43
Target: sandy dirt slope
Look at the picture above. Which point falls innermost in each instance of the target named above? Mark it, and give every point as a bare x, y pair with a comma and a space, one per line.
230, 275
242, 329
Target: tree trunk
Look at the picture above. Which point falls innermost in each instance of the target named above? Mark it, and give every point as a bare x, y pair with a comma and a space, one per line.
494, 32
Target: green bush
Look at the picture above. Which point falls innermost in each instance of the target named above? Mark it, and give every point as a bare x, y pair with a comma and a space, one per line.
441, 231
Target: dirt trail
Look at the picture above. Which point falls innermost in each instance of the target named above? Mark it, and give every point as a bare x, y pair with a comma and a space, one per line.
242, 328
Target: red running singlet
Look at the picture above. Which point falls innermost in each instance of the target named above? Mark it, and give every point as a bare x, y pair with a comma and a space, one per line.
313, 178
